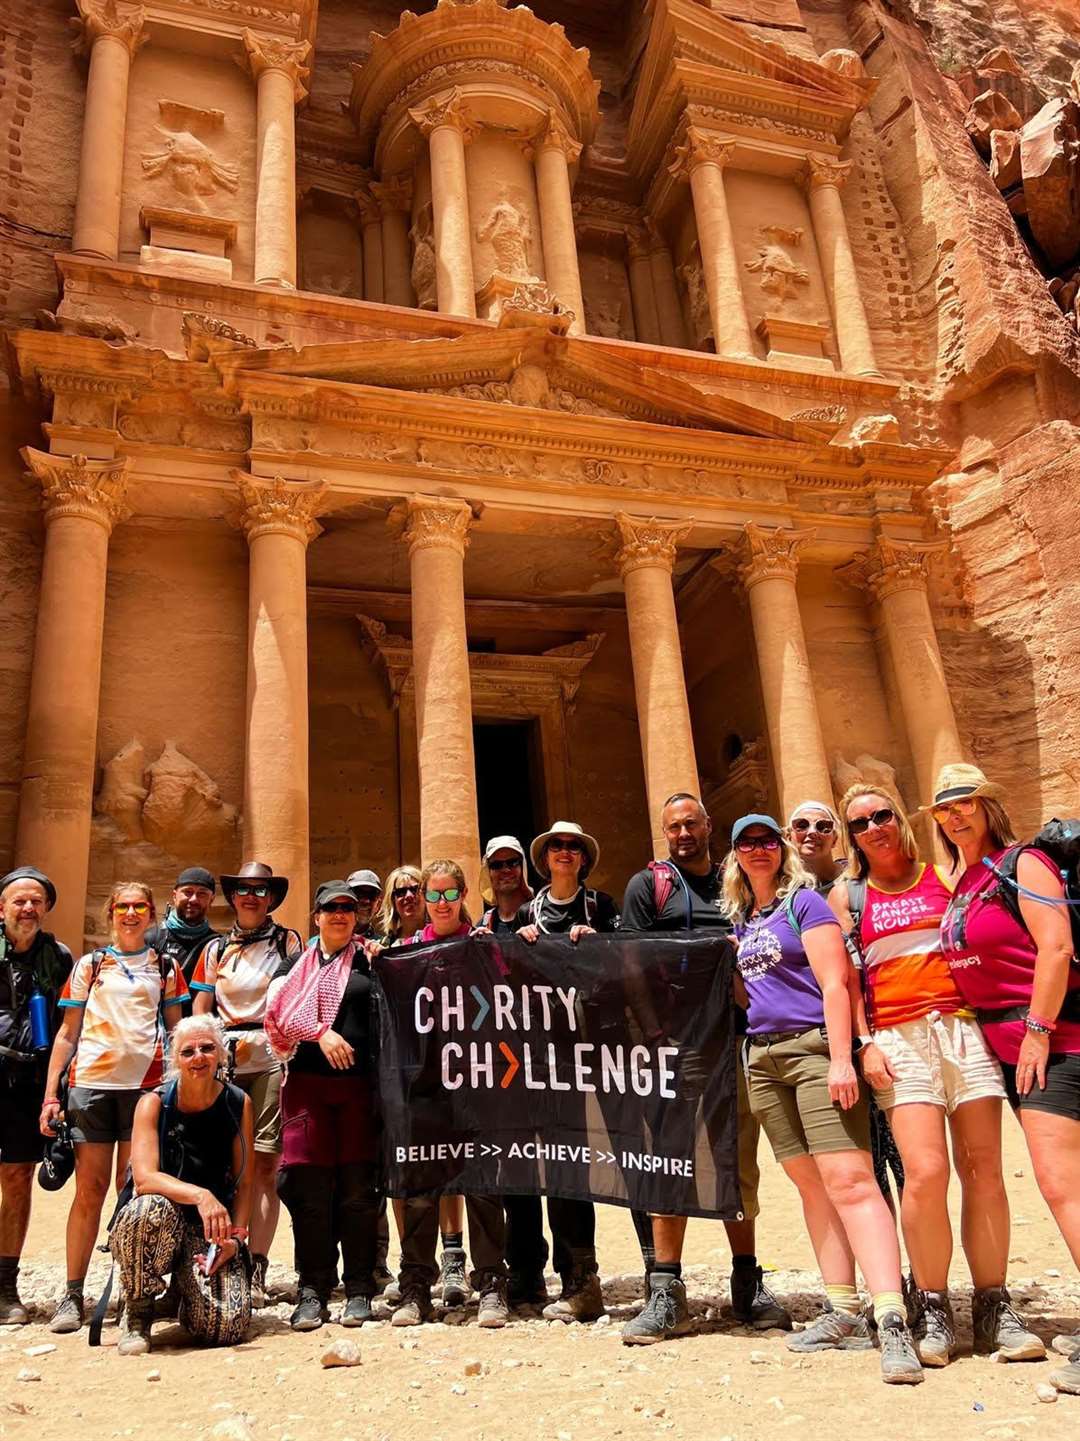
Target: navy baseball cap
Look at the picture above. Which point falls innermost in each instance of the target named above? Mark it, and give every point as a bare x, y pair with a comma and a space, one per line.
745, 822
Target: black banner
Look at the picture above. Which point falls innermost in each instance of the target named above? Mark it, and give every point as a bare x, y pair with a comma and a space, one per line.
603, 1071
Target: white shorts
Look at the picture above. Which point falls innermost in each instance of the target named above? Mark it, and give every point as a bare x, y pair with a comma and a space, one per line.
939, 1060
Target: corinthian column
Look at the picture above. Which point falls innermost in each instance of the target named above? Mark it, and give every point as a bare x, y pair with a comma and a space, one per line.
555, 151
446, 124
371, 231
642, 294
278, 518
83, 500
437, 532
111, 37
702, 158
395, 202
768, 571
893, 572
824, 177
279, 70
665, 291
645, 560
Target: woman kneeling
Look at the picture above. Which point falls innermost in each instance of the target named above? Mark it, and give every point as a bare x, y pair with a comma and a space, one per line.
801, 991
190, 1146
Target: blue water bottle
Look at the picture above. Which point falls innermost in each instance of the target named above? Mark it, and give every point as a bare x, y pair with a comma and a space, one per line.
39, 1021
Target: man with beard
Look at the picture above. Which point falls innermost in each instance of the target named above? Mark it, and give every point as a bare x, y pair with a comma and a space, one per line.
684, 893
186, 928
32, 963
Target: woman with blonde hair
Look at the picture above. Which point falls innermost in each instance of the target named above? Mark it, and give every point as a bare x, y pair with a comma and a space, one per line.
402, 912
118, 1003
1007, 936
925, 1055
801, 994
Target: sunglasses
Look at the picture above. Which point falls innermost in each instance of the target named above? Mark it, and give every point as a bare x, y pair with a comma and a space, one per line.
188, 1053
400, 891
140, 908
746, 844
333, 908
573, 848
261, 891
965, 807
802, 825
511, 865
878, 818
452, 893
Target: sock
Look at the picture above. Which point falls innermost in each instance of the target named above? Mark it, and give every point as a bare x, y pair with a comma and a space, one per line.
886, 1301
75, 1287
744, 1263
9, 1270
453, 1238
668, 1268
844, 1298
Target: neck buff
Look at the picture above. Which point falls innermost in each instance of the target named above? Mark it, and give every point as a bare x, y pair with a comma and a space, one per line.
260, 933
186, 931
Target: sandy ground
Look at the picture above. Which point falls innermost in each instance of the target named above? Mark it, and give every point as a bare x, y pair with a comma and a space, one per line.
544, 1380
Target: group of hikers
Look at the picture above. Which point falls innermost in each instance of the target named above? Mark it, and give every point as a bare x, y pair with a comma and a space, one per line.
887, 1007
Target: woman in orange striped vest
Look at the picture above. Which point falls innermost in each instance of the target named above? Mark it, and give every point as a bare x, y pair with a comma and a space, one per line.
925, 1055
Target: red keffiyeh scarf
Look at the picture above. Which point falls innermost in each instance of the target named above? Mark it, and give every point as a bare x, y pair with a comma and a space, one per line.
305, 1006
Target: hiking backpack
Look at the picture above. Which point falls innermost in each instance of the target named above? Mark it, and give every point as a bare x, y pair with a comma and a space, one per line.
1060, 840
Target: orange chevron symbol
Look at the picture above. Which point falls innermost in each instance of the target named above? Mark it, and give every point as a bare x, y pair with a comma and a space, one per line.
513, 1068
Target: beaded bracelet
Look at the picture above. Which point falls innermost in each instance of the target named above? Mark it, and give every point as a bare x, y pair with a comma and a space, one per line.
1040, 1028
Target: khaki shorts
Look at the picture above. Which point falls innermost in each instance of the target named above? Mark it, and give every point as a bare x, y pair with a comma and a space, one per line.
940, 1061
789, 1096
264, 1088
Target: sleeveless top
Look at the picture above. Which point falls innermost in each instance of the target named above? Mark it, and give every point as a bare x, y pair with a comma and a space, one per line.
198, 1145
906, 974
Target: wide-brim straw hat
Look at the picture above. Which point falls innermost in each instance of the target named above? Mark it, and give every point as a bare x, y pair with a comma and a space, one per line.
960, 782
564, 828
256, 873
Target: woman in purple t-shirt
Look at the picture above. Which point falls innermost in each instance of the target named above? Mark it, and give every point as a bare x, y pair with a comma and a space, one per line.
802, 994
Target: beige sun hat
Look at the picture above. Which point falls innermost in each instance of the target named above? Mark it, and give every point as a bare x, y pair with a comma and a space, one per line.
564, 828
960, 782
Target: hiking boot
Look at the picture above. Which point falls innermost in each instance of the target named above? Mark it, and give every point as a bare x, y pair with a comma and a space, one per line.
997, 1327
526, 1288
259, 1298
753, 1303
68, 1316
135, 1326
415, 1309
1067, 1378
665, 1313
12, 1310
167, 1307
311, 1311
494, 1310
934, 1330
833, 1331
581, 1300
392, 1292
384, 1279
899, 1363
455, 1286
356, 1311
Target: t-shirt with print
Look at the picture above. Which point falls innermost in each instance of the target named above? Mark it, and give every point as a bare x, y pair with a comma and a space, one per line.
780, 984
122, 999
555, 918
238, 972
995, 964
900, 933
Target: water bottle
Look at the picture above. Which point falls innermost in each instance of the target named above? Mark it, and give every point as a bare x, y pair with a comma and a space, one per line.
39, 1021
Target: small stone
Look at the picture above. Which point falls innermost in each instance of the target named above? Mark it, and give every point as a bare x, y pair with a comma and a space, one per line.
410, 1344
19, 1408
26, 1374
759, 1358
153, 1375
775, 1401
1046, 1393
342, 1352
1050, 1271
472, 1368
602, 1321
511, 1363
999, 1359
45, 1349
233, 1428
457, 1389
563, 1436
1018, 1174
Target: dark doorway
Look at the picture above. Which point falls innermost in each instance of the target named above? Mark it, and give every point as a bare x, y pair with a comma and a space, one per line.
507, 779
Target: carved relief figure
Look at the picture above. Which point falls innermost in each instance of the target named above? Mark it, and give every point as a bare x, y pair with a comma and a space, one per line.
423, 260
693, 277
781, 277
509, 231
190, 166
604, 316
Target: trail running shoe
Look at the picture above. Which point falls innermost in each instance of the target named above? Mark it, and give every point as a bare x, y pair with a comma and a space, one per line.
753, 1303
899, 1363
494, 1311
833, 1331
68, 1316
1067, 1378
356, 1311
997, 1327
415, 1309
311, 1311
665, 1313
934, 1330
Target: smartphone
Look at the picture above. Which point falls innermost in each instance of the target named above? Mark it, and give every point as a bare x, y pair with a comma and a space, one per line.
210, 1258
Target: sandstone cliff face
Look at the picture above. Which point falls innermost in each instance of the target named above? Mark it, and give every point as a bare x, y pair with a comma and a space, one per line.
1041, 34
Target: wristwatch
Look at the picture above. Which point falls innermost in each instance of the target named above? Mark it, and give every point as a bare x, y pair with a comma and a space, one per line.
861, 1041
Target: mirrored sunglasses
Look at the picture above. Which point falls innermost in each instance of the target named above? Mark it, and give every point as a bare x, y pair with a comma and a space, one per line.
261, 891
452, 893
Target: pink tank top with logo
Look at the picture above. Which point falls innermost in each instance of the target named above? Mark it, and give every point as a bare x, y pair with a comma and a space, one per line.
906, 974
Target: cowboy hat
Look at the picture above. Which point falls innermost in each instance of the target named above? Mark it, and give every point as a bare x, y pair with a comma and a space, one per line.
960, 782
564, 828
256, 873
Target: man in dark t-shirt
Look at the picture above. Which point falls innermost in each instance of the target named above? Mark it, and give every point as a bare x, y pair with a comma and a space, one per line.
690, 891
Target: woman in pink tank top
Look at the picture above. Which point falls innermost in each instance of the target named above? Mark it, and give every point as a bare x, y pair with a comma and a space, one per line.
1011, 950
933, 1073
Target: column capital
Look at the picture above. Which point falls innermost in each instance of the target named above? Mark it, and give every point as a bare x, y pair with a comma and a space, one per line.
72, 485
771, 554
890, 566
639, 243
103, 19
554, 134
272, 52
701, 147
367, 202
393, 193
436, 522
648, 541
823, 171
279, 506
447, 109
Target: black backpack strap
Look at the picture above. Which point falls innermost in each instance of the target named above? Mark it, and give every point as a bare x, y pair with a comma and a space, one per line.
1007, 888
